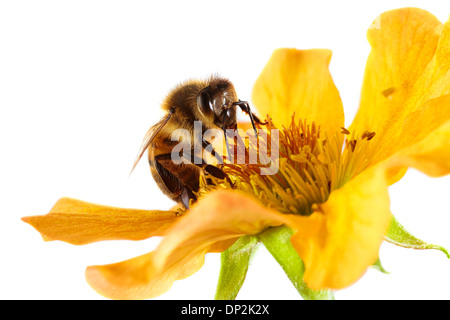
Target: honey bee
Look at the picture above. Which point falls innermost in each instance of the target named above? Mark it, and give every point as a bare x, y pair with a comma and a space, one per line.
213, 102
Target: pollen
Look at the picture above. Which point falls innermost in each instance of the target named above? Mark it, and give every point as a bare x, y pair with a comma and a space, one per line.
310, 166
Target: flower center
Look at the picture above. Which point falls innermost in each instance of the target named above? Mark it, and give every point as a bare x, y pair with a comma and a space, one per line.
310, 166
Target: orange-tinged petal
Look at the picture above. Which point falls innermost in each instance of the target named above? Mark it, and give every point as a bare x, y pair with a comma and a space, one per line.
299, 81
140, 278
342, 237
78, 222
211, 225
407, 66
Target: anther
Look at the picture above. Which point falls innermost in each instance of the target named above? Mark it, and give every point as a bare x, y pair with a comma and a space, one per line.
370, 136
353, 144
386, 93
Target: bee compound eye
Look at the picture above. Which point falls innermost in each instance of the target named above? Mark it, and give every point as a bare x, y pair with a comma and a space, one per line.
204, 103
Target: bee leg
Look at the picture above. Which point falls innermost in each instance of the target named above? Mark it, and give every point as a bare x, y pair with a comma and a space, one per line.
178, 189
218, 173
245, 107
206, 144
186, 196
215, 172
212, 170
257, 120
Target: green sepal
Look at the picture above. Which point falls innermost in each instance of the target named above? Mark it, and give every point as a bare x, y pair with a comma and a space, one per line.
234, 265
378, 266
398, 235
278, 243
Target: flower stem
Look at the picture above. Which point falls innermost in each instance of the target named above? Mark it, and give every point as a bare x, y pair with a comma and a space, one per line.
277, 241
234, 266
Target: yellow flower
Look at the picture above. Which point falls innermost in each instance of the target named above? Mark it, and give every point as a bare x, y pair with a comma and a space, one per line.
332, 186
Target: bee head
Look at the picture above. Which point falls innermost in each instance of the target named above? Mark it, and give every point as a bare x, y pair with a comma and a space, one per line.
216, 103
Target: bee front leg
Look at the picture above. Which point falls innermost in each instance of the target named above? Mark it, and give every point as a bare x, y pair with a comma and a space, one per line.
245, 107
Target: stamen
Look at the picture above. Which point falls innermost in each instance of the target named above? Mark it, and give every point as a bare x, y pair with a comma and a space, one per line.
311, 166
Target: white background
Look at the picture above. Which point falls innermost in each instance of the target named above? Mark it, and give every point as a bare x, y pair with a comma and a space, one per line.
80, 84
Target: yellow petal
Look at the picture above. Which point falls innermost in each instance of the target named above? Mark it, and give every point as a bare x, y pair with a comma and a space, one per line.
299, 81
244, 126
408, 65
395, 174
342, 237
431, 155
211, 225
435, 81
425, 145
78, 222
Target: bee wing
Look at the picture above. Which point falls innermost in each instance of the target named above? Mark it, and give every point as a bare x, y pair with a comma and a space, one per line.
149, 136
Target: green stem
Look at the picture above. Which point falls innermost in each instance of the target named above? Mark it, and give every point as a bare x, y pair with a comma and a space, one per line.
278, 243
234, 265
